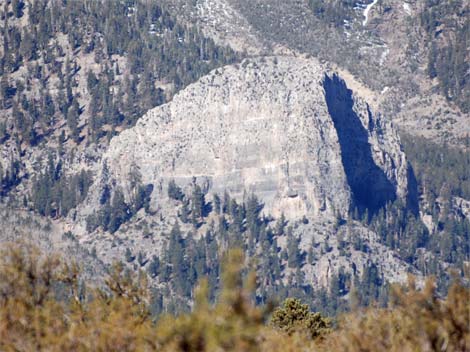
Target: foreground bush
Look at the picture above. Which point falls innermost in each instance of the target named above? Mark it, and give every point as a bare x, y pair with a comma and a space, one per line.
416, 321
44, 307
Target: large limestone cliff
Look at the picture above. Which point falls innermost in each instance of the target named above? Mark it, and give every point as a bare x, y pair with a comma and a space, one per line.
284, 128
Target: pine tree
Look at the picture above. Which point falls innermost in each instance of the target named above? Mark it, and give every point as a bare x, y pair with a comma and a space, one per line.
120, 211
197, 205
174, 191
185, 212
293, 316
217, 203
293, 251
253, 209
154, 267
129, 256
72, 120
280, 225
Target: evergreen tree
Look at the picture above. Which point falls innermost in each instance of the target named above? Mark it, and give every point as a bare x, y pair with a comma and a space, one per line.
129, 256
217, 203
280, 225
293, 316
72, 120
293, 251
184, 212
120, 211
198, 205
154, 267
174, 191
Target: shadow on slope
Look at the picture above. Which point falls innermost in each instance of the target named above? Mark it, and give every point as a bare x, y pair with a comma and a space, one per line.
369, 185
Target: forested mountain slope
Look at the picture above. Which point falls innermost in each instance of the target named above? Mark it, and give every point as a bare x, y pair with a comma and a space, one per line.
76, 73
162, 133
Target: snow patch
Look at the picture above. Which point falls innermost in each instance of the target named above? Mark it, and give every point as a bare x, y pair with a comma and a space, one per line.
366, 11
407, 8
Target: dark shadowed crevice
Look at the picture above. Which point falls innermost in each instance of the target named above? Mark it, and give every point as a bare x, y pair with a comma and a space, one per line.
369, 185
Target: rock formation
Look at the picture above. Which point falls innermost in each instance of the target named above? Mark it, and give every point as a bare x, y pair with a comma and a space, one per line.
284, 128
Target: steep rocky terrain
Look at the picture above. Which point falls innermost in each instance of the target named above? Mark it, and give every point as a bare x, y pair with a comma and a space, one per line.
391, 51
170, 131
286, 129
68, 87
280, 127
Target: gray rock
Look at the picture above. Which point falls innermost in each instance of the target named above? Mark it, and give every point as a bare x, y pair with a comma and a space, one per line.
285, 128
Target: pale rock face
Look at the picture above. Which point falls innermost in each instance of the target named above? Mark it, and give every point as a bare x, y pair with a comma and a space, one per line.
462, 206
283, 127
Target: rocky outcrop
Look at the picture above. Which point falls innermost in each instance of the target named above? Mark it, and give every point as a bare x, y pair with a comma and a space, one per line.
284, 128
386, 54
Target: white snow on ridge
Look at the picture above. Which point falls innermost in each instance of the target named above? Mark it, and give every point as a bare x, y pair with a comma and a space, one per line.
366, 11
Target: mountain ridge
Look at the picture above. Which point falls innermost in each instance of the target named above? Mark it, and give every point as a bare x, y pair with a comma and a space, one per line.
288, 129
391, 54
235, 93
